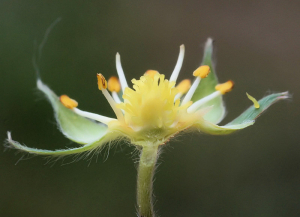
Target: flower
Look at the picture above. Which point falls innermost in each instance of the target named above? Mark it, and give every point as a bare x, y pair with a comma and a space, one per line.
154, 110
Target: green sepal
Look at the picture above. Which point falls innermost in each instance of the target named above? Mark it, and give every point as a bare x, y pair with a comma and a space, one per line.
72, 125
246, 119
207, 86
252, 113
61, 152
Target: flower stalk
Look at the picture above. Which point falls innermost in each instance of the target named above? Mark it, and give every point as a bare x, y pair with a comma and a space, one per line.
148, 159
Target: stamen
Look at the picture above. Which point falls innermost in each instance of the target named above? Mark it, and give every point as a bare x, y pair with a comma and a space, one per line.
225, 87
68, 102
201, 72
93, 116
102, 85
182, 88
72, 104
121, 73
151, 73
200, 102
220, 89
178, 65
256, 104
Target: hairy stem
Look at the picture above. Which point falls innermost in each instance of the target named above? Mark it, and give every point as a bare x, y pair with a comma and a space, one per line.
146, 169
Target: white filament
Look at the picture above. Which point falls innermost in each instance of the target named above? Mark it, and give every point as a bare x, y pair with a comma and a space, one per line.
113, 105
178, 65
191, 91
177, 96
196, 105
121, 72
116, 97
93, 116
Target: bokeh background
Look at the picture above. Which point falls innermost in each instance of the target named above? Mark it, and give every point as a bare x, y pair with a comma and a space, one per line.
255, 172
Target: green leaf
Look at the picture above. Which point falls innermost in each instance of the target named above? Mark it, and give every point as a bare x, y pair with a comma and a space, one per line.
60, 152
246, 119
72, 125
207, 86
252, 113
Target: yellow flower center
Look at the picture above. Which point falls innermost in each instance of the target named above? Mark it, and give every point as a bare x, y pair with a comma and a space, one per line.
151, 104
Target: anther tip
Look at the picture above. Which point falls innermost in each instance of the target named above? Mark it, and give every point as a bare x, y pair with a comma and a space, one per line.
184, 86
202, 71
151, 73
225, 87
68, 102
102, 83
114, 84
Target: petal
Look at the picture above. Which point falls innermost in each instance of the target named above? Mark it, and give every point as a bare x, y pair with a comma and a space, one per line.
72, 125
207, 86
60, 152
246, 119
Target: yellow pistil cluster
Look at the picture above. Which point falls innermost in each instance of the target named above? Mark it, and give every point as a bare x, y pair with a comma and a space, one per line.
151, 104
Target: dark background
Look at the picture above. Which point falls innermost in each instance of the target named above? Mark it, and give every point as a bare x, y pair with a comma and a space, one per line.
254, 172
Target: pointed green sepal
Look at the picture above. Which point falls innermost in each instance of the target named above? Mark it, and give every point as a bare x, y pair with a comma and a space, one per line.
61, 152
252, 113
207, 86
72, 125
246, 119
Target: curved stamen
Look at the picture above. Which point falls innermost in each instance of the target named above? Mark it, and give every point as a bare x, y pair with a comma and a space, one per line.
102, 85
220, 89
72, 104
93, 116
201, 72
121, 72
200, 102
178, 65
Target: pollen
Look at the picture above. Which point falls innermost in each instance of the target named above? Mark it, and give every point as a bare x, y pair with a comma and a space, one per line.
225, 87
184, 86
102, 83
202, 71
256, 104
68, 102
151, 73
114, 84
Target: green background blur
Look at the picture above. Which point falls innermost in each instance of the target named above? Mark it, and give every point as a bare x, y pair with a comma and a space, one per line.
255, 172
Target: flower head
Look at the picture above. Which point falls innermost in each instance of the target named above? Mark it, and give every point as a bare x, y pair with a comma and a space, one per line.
151, 112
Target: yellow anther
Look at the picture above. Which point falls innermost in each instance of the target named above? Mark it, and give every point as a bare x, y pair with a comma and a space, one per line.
225, 87
114, 84
256, 104
102, 83
202, 71
151, 73
68, 102
184, 86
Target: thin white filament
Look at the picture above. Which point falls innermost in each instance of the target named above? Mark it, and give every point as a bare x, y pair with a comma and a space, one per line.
191, 91
196, 105
113, 105
121, 72
178, 65
177, 96
93, 116
116, 97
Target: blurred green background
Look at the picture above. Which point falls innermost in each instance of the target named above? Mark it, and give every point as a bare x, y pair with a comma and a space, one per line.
255, 172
